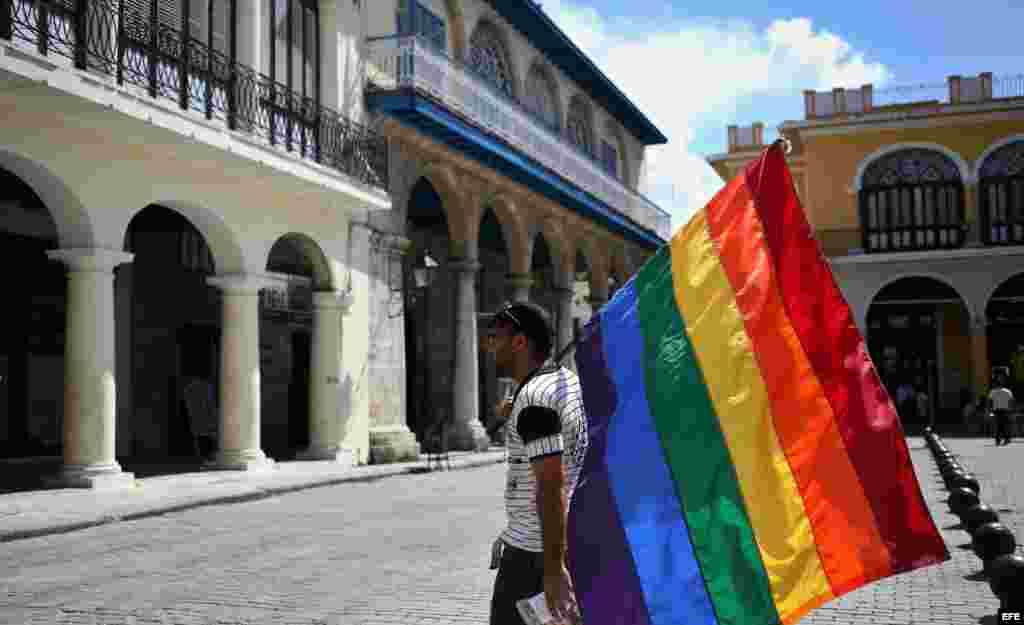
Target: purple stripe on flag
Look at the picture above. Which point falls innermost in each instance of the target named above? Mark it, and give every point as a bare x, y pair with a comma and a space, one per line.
600, 561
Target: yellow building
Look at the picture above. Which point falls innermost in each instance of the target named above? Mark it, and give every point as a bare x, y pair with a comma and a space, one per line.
916, 196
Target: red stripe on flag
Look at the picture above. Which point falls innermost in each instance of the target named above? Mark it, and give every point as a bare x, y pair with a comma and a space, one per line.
864, 412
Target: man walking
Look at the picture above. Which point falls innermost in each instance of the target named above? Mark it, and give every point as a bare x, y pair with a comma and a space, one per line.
1000, 401
546, 439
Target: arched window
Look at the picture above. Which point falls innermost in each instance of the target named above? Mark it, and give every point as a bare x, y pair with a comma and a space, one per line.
1001, 195
613, 156
577, 125
487, 57
912, 200
541, 97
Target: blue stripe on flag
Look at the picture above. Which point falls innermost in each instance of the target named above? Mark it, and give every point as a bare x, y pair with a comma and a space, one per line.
641, 483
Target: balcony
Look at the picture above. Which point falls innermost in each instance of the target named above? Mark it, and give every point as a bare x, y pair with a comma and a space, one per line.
160, 62
404, 63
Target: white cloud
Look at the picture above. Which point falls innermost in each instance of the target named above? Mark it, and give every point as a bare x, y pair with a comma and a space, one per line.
692, 78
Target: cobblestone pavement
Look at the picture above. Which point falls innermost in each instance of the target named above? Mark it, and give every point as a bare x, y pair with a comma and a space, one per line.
951, 593
410, 550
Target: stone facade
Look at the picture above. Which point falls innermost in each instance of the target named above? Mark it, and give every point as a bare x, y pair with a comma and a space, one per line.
230, 277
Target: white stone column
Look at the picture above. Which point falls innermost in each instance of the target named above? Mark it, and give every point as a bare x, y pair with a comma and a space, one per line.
467, 431
90, 396
239, 432
520, 284
564, 325
325, 427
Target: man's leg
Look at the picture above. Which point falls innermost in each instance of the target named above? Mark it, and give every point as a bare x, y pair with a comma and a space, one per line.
520, 576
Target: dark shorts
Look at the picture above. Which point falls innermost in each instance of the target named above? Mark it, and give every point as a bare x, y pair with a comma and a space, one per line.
520, 576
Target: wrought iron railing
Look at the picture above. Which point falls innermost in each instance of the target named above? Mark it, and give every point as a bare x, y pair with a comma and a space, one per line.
97, 36
398, 61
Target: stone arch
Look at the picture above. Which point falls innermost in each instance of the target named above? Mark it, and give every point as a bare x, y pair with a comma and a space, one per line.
445, 183
917, 338
991, 149
966, 175
488, 36
996, 285
320, 270
74, 226
514, 228
561, 250
228, 255
541, 76
917, 274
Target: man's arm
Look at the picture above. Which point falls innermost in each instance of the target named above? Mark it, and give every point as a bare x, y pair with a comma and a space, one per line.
547, 472
541, 430
548, 476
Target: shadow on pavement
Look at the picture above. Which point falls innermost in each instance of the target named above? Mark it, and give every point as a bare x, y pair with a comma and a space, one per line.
28, 474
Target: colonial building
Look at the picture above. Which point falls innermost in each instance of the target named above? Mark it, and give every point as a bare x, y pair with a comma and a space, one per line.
516, 171
257, 230
916, 196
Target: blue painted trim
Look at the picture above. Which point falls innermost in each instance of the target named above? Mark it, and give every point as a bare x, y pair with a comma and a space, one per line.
446, 128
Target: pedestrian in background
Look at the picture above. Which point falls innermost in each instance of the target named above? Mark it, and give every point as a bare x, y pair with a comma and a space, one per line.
1000, 400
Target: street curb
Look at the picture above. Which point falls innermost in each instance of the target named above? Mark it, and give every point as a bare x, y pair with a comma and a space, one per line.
383, 472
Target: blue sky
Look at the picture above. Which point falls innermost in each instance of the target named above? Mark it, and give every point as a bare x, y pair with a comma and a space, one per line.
694, 67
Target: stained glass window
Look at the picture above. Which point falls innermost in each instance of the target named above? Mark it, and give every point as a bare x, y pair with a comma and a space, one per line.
541, 98
577, 125
487, 57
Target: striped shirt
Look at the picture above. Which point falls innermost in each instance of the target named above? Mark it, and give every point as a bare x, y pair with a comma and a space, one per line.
547, 418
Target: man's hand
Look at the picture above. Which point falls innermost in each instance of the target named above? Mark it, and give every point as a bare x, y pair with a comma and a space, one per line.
559, 594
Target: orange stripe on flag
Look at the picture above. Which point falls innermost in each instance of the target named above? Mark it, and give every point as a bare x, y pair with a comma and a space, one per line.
845, 529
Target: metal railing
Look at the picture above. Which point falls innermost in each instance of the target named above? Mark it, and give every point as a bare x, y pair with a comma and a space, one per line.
956, 90
96, 36
398, 61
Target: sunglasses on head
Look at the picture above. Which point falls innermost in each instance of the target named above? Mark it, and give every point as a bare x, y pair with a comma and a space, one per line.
506, 314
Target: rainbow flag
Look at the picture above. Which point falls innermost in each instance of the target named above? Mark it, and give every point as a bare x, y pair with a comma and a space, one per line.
745, 464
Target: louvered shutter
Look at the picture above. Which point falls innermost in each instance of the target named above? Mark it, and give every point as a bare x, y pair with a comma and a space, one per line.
169, 14
137, 14
221, 20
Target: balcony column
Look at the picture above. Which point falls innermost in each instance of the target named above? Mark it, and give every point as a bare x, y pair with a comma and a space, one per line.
519, 285
239, 432
325, 427
467, 432
980, 366
90, 396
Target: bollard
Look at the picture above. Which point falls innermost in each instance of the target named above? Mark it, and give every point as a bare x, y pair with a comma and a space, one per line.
978, 515
965, 480
992, 540
1006, 579
960, 499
